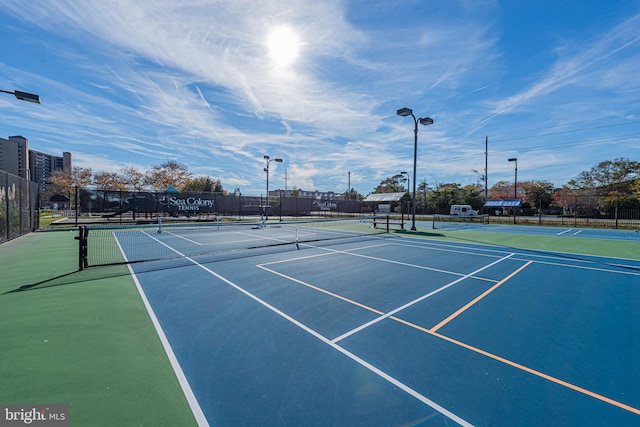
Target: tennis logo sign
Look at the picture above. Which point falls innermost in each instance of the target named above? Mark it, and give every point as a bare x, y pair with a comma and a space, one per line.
188, 203
325, 206
34, 415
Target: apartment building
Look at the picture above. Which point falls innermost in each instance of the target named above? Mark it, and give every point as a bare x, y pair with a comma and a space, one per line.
17, 159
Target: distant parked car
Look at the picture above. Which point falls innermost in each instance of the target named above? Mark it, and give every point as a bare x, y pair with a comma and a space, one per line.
462, 210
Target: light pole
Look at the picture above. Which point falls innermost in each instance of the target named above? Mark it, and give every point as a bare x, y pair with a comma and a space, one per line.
408, 184
402, 175
515, 186
404, 112
479, 177
23, 96
266, 169
408, 179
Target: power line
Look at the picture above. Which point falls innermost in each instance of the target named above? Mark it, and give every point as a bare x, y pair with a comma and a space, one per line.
579, 122
601, 140
563, 132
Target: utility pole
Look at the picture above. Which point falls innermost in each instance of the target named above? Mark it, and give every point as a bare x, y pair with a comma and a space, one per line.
285, 181
486, 170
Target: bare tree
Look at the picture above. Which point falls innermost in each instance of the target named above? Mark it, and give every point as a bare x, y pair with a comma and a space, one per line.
166, 174
108, 181
132, 178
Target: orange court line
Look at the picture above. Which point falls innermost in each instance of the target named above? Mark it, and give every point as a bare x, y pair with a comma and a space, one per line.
478, 298
469, 347
522, 367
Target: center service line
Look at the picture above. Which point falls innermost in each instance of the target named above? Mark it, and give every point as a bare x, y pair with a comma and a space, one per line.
417, 300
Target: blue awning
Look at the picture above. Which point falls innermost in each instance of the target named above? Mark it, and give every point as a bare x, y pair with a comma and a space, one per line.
512, 203
171, 190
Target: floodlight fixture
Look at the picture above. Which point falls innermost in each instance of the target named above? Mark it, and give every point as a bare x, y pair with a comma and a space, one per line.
404, 112
24, 96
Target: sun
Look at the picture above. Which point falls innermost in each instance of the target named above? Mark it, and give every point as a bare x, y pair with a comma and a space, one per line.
283, 45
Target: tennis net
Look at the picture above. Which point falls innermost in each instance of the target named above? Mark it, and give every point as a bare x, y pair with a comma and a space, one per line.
109, 245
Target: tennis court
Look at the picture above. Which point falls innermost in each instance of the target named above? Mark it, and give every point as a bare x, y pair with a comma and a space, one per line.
565, 231
381, 329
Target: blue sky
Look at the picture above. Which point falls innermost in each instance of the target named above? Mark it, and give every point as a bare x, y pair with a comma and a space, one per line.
217, 85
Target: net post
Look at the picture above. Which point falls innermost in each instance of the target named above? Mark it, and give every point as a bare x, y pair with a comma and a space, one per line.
82, 247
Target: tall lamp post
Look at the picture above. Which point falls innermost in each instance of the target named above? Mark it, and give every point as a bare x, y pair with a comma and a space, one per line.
266, 169
23, 96
515, 186
408, 184
404, 112
408, 179
479, 177
402, 175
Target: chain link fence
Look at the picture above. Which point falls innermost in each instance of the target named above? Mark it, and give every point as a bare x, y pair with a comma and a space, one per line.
18, 206
91, 205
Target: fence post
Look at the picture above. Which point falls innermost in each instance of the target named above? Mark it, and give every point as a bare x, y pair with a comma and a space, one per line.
75, 198
7, 216
539, 209
617, 206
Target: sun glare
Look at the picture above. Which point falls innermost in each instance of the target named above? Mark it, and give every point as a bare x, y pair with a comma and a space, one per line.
283, 45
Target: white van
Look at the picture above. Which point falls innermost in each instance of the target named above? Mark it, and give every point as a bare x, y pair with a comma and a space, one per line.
462, 210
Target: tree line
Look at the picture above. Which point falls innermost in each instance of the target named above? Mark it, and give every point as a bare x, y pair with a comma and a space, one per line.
128, 178
611, 183
607, 185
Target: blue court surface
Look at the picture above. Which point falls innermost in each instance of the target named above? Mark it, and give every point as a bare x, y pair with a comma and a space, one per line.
566, 231
394, 331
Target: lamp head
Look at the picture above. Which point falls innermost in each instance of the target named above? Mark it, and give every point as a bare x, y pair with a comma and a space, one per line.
24, 96
513, 159
278, 160
404, 112
266, 157
426, 121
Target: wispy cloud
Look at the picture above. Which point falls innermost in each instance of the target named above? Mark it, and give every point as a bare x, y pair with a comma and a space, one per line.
193, 81
584, 65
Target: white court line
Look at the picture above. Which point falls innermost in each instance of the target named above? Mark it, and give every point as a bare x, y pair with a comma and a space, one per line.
563, 232
528, 253
182, 237
417, 300
173, 360
223, 242
390, 261
332, 252
577, 232
335, 346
